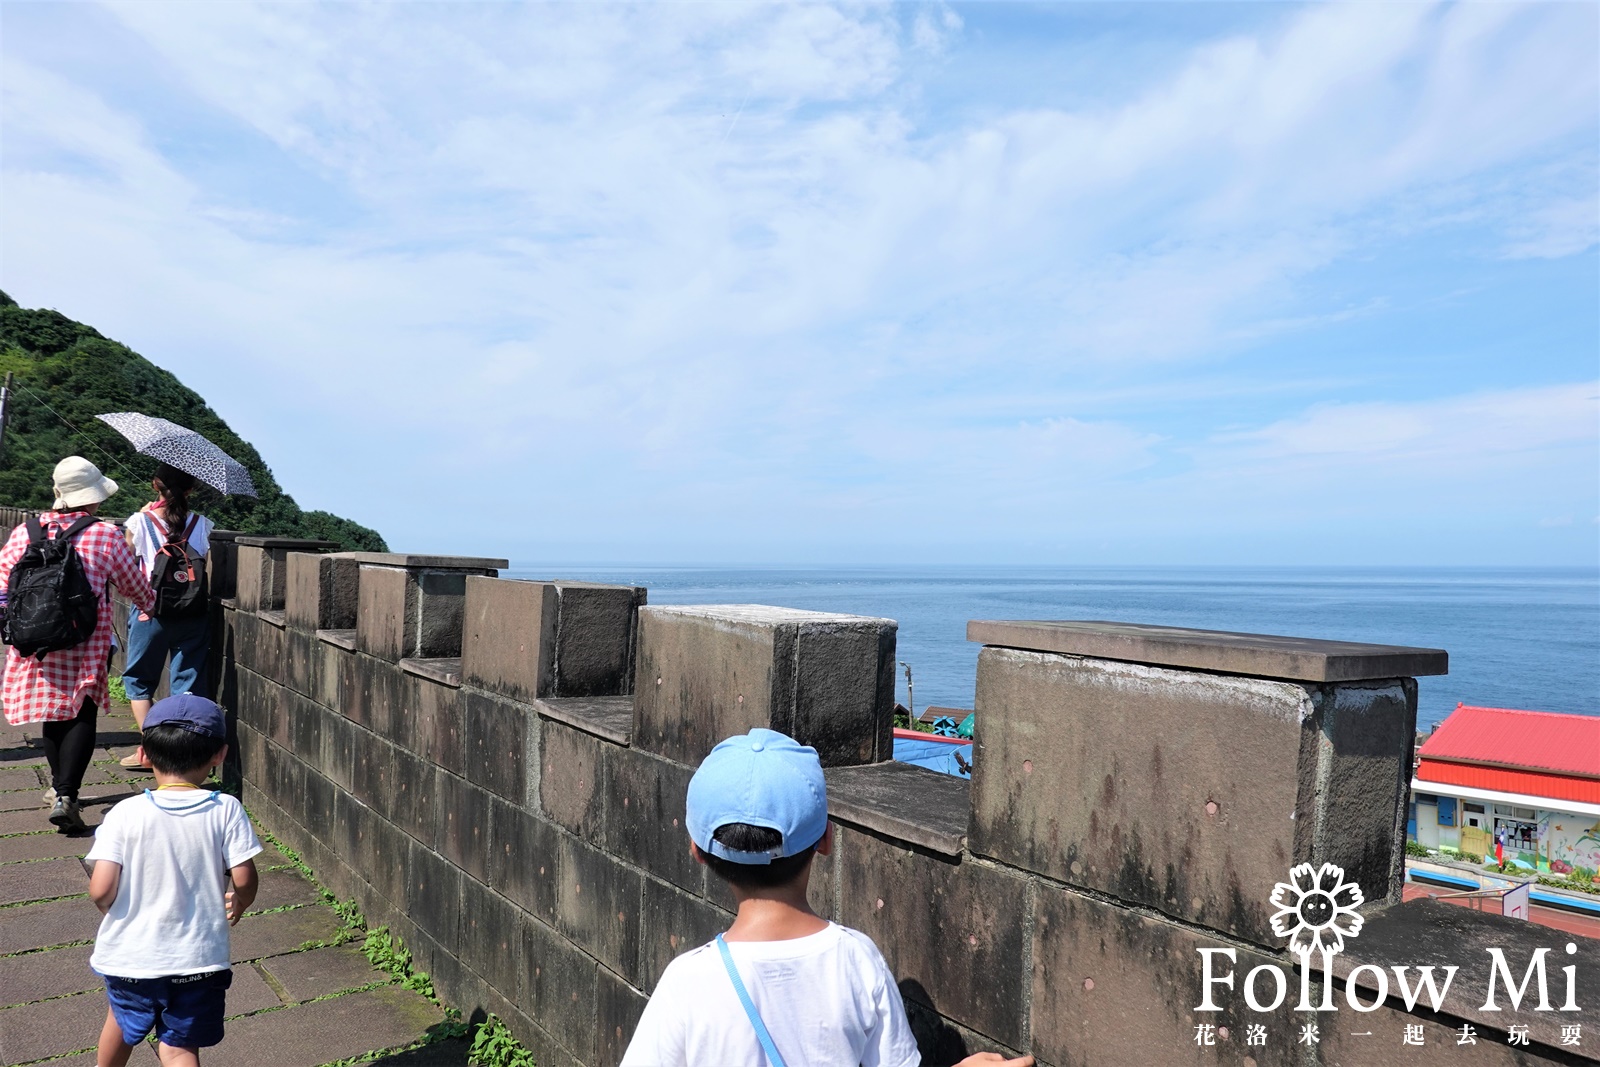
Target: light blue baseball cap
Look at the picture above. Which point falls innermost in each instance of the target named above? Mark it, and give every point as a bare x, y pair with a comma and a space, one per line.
761, 778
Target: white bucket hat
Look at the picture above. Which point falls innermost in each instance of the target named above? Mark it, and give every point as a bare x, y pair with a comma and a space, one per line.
79, 483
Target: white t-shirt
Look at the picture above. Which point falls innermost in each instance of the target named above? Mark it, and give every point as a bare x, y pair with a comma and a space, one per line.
826, 999
176, 847
147, 539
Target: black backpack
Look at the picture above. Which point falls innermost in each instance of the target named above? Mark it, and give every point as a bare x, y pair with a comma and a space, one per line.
179, 575
50, 604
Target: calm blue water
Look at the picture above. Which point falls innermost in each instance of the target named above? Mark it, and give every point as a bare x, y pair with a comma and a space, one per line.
1520, 638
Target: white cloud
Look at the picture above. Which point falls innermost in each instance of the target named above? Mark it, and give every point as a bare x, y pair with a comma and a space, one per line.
685, 248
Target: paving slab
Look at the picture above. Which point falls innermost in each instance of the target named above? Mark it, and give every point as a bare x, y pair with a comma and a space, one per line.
44, 846
42, 880
282, 888
321, 971
57, 922
250, 992
19, 778
34, 1031
326, 1030
22, 800
269, 856
26, 820
39, 975
143, 1056
260, 936
116, 774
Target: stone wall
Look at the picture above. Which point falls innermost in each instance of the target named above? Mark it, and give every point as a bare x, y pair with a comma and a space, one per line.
496, 769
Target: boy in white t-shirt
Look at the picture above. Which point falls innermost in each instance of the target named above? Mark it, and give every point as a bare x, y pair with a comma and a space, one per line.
783, 986
173, 869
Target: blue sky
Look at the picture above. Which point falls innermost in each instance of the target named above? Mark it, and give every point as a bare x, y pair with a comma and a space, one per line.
1164, 283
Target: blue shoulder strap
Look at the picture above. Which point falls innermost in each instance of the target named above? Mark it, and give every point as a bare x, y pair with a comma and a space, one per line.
749, 1006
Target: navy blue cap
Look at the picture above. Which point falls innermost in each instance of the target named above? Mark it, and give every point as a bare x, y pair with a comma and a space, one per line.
190, 711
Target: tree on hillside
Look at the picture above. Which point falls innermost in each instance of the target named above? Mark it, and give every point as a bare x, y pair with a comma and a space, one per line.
68, 373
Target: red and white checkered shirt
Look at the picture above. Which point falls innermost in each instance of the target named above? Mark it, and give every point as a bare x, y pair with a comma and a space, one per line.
54, 688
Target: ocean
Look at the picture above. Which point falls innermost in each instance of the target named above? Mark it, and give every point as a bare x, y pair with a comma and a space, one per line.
1517, 637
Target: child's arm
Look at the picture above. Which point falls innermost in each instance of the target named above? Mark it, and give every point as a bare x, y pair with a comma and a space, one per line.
242, 884
103, 884
995, 1060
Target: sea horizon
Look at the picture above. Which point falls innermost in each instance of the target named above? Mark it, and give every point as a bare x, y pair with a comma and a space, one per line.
1518, 636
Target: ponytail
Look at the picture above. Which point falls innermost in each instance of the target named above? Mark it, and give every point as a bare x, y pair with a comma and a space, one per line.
174, 486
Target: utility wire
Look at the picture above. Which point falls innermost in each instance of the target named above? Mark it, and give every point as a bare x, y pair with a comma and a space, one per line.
77, 432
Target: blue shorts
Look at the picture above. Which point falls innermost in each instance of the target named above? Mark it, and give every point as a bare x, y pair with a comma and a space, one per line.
185, 1011
150, 641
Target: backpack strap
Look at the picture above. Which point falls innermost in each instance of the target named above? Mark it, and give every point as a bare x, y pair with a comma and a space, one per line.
78, 527
35, 531
762, 1036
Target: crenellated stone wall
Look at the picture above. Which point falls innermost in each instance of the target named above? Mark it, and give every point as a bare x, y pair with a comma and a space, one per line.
496, 769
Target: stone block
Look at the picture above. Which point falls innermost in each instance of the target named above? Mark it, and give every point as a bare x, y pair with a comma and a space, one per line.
270, 651
374, 773
320, 592
447, 743
617, 1009
595, 639
338, 759
391, 851
433, 895
1190, 793
1298, 659
300, 662
252, 578
328, 674
1112, 986
558, 987
707, 672
352, 834
674, 923
318, 805
508, 636
598, 904
410, 612
491, 937
415, 795
222, 565
496, 743
463, 825
304, 726
573, 790
957, 928
524, 860
644, 815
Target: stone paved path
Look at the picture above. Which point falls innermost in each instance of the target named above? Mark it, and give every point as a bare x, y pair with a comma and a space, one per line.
300, 997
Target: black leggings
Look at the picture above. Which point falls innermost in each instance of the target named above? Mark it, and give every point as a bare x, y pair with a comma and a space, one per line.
69, 746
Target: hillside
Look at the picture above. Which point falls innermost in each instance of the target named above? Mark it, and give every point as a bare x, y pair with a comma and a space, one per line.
79, 373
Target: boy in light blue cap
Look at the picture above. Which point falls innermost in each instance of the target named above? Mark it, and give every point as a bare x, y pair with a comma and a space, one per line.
783, 987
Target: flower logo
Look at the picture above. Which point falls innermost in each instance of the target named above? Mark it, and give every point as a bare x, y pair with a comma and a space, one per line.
1316, 909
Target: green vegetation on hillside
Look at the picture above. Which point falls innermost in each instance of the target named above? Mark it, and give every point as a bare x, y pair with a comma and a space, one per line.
80, 374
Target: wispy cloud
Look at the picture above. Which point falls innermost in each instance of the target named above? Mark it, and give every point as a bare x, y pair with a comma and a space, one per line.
679, 252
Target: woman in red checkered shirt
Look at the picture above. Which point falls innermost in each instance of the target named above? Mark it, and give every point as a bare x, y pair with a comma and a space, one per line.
65, 690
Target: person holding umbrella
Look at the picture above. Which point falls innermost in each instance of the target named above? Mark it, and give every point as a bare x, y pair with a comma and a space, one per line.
63, 686
171, 542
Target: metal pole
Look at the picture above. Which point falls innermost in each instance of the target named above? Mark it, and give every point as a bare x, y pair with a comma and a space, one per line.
911, 696
5, 411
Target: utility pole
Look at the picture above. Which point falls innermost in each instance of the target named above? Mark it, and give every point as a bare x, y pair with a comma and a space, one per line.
5, 411
911, 695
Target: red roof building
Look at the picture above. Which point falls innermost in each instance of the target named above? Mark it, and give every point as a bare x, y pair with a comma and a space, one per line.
1525, 784
1534, 753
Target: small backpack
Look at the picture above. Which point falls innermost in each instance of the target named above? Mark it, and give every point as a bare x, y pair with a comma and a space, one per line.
179, 574
50, 604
